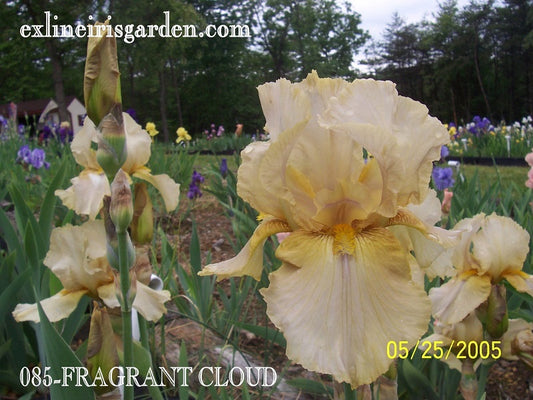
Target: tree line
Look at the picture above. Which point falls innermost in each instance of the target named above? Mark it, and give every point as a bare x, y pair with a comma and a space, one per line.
476, 60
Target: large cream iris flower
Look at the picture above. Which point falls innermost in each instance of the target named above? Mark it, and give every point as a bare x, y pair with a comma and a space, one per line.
343, 162
86, 194
77, 256
492, 248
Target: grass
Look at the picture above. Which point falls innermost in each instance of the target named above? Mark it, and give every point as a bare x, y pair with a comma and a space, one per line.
488, 175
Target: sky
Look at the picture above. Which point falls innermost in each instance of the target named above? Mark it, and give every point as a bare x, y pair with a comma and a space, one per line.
376, 14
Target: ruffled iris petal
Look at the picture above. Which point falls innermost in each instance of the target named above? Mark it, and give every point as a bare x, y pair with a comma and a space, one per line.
77, 256
86, 194
515, 327
501, 245
402, 122
250, 187
283, 104
327, 305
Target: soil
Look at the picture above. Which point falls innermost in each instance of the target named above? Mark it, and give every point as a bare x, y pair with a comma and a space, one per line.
213, 229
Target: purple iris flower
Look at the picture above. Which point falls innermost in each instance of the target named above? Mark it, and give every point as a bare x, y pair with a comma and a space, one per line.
444, 152
21, 129
224, 167
37, 159
197, 177
132, 113
47, 132
442, 177
65, 134
194, 192
484, 124
194, 187
24, 154
479, 125
34, 157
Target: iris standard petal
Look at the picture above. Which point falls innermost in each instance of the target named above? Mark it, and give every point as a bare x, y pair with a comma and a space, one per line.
328, 307
284, 104
138, 143
431, 256
500, 246
86, 195
431, 246
402, 122
81, 146
429, 211
249, 185
57, 307
462, 257
249, 261
342, 191
77, 256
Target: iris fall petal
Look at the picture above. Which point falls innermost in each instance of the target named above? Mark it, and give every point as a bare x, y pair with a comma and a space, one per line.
249, 261
56, 307
454, 300
328, 309
169, 190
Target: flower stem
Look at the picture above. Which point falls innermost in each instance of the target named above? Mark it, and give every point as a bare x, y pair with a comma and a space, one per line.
468, 385
155, 393
127, 338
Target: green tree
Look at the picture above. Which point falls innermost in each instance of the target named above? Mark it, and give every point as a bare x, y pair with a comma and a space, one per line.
298, 36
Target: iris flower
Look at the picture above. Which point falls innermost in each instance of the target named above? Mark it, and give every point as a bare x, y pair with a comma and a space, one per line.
151, 129
86, 194
492, 249
77, 256
344, 289
183, 135
443, 177
468, 330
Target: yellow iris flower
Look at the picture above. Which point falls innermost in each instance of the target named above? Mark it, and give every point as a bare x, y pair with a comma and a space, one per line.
150, 128
183, 135
77, 256
345, 288
86, 194
492, 248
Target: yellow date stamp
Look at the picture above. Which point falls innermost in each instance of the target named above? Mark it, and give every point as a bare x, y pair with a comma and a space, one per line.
459, 349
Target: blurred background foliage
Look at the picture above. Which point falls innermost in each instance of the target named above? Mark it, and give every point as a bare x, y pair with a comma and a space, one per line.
474, 60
